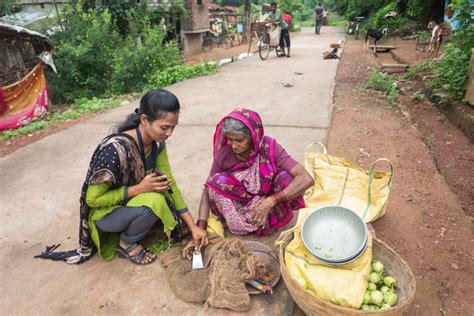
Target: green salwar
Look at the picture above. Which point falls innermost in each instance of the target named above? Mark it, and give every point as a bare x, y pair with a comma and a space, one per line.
102, 200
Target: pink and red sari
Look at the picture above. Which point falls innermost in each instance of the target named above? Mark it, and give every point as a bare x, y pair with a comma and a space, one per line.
235, 190
24, 100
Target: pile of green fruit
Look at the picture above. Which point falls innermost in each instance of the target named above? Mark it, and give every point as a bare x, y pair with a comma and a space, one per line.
380, 292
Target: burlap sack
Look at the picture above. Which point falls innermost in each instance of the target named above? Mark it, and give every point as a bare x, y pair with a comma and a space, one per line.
222, 283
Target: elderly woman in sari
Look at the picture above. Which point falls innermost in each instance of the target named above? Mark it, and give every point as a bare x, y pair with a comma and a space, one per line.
254, 185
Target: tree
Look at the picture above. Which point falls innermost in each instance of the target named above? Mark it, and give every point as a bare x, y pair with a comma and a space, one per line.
291, 6
437, 11
402, 6
247, 11
6, 7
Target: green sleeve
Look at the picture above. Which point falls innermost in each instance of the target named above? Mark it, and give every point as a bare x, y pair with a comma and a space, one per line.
100, 195
277, 15
163, 165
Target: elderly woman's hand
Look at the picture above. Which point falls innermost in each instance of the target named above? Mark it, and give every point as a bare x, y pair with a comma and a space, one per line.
199, 240
199, 237
188, 250
261, 212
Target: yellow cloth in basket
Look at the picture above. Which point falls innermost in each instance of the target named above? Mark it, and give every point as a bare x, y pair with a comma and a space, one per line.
340, 182
343, 285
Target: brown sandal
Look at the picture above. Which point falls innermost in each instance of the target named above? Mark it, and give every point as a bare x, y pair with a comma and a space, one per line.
135, 258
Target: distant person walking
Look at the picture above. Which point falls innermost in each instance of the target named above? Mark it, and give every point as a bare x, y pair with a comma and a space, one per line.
319, 16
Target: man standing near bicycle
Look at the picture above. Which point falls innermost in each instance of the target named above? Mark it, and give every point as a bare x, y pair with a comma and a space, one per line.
277, 17
319, 16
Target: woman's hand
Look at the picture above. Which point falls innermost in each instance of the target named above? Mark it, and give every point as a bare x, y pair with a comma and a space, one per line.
188, 250
199, 237
261, 212
154, 183
199, 240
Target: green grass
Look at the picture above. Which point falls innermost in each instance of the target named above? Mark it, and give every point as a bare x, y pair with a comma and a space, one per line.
163, 245
307, 23
384, 83
84, 106
336, 20
426, 66
179, 73
79, 108
417, 96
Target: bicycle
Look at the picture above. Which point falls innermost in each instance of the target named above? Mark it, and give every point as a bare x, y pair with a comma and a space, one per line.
214, 39
264, 47
354, 27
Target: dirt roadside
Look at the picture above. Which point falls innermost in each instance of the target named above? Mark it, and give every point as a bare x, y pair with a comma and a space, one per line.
427, 220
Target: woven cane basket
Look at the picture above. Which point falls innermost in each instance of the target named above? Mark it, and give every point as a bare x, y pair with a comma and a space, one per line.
394, 266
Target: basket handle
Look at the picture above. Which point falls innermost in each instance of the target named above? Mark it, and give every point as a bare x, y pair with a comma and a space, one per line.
281, 239
325, 151
371, 178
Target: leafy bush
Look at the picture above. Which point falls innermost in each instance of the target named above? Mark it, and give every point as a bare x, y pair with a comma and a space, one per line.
135, 65
464, 35
94, 60
378, 21
452, 72
84, 57
179, 73
379, 81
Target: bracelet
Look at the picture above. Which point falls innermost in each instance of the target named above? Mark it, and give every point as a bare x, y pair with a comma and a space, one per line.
279, 197
202, 223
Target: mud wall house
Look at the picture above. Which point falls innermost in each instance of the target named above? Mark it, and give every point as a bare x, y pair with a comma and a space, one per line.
195, 23
227, 13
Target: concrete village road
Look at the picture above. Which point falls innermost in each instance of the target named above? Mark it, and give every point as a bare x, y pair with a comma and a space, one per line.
41, 182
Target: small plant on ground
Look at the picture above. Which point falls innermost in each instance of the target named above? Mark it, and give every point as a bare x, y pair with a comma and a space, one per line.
35, 125
384, 83
337, 108
443, 119
430, 140
393, 93
417, 96
162, 245
426, 66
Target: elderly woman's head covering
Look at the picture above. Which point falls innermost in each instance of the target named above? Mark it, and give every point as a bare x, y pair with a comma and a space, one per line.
244, 117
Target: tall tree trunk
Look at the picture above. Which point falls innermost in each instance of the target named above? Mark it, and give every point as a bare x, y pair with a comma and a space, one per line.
58, 16
437, 11
402, 6
247, 10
